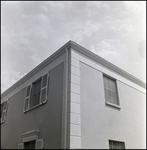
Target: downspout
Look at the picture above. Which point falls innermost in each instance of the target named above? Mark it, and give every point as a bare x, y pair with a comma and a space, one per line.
66, 93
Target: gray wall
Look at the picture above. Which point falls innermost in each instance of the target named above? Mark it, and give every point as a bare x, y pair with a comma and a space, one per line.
99, 122
45, 118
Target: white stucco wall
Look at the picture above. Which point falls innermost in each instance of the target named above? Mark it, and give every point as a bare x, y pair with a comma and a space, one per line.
100, 122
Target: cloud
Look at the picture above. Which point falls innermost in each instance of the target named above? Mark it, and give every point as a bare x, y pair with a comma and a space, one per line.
36, 59
32, 30
134, 6
142, 49
83, 30
137, 69
56, 5
44, 8
9, 77
112, 45
117, 53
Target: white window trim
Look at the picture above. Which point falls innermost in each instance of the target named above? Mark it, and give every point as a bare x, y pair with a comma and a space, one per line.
40, 103
42, 143
21, 146
31, 136
117, 94
111, 104
31, 94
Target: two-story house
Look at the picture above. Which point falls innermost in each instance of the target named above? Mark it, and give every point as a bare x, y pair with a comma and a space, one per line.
74, 100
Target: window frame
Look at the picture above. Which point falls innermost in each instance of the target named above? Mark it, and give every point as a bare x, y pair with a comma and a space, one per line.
117, 94
30, 136
29, 142
29, 97
35, 94
22, 145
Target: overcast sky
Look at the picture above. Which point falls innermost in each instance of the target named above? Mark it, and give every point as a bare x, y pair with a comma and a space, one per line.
33, 30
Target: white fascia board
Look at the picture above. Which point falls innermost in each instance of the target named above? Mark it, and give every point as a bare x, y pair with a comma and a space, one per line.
82, 50
106, 63
37, 69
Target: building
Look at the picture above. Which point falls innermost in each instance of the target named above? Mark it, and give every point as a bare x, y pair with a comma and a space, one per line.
74, 99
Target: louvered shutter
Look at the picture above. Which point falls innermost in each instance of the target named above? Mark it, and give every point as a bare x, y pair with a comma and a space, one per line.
27, 97
39, 144
110, 90
21, 146
4, 113
44, 88
116, 145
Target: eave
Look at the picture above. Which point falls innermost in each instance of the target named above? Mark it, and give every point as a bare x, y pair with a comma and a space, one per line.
83, 51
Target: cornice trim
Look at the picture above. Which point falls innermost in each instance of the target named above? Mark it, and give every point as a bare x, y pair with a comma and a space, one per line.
82, 50
106, 63
51, 58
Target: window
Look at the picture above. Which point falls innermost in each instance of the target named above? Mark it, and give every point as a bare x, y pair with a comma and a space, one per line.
30, 140
36, 90
36, 144
36, 93
116, 145
4, 107
29, 145
110, 88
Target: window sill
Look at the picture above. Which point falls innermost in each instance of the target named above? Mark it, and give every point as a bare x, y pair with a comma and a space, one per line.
113, 105
35, 107
32, 108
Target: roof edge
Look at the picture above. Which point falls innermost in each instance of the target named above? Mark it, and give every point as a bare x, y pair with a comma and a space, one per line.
106, 63
82, 50
44, 63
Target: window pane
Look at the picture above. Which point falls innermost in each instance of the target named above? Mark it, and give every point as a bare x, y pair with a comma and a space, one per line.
28, 91
110, 90
29, 145
105, 82
44, 82
35, 100
116, 145
108, 93
113, 86
114, 98
43, 95
110, 144
36, 87
109, 84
